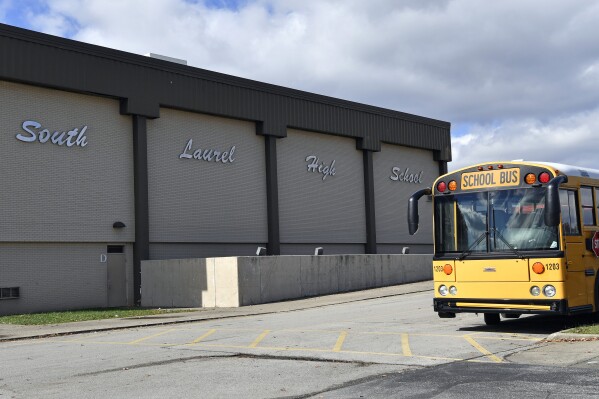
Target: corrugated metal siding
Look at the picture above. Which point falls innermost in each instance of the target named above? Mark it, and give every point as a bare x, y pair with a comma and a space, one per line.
391, 197
77, 191
313, 210
72, 276
200, 250
150, 83
198, 201
328, 249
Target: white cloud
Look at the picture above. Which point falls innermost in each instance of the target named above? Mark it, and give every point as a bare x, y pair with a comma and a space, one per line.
503, 68
570, 140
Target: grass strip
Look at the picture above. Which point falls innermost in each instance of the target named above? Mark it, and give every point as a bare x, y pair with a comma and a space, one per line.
83, 315
588, 329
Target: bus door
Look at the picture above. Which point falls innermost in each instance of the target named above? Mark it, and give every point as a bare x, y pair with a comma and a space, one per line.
590, 226
574, 249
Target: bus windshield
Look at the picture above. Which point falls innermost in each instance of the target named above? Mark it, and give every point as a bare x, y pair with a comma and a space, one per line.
493, 221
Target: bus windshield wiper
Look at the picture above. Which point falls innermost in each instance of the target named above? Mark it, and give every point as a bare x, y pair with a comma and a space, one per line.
513, 249
467, 252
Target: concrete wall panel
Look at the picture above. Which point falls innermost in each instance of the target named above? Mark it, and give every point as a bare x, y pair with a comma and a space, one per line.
253, 280
177, 283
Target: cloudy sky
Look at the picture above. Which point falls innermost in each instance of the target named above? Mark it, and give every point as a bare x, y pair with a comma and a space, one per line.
517, 79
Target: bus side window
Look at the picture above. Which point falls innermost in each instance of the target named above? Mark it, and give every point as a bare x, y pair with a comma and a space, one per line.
588, 208
568, 203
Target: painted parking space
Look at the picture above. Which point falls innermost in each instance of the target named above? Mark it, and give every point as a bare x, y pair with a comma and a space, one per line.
386, 346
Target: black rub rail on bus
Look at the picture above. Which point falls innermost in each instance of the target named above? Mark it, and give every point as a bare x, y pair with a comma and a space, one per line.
500, 255
557, 306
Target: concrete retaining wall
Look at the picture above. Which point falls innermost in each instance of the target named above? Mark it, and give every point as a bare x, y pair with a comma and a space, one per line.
251, 280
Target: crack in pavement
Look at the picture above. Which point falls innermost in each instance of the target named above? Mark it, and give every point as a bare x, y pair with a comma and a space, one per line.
226, 355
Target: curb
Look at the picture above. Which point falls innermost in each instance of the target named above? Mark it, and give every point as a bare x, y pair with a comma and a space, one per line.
571, 337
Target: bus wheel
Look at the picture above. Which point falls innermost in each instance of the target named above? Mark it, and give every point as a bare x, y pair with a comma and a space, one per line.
446, 315
492, 319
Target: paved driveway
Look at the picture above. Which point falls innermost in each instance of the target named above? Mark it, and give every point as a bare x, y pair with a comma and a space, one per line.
383, 347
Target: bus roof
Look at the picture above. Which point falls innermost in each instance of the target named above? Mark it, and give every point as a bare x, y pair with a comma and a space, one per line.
569, 170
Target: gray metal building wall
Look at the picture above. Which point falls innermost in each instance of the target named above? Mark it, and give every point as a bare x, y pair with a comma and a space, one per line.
392, 194
59, 203
140, 112
59, 193
53, 276
315, 208
205, 202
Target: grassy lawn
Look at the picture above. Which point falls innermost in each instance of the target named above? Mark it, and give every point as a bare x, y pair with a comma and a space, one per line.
588, 329
82, 315
584, 324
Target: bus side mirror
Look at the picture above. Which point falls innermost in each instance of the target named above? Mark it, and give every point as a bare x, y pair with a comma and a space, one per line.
552, 205
413, 209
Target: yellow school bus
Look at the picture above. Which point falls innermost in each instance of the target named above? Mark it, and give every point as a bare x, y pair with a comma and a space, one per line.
514, 238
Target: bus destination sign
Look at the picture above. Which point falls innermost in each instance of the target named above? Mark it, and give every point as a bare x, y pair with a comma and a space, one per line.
491, 178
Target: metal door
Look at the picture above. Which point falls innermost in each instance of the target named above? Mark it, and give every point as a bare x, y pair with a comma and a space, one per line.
117, 276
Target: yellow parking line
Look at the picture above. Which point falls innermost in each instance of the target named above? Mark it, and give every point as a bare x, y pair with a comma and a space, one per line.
151, 336
405, 345
259, 339
209, 333
482, 350
340, 341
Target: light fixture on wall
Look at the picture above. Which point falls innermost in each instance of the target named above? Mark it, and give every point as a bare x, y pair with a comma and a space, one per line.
261, 251
118, 225
318, 251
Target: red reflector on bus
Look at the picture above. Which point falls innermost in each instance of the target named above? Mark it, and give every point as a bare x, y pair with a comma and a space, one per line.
441, 187
544, 177
538, 268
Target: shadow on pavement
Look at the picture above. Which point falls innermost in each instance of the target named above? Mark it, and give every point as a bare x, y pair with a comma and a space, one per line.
537, 324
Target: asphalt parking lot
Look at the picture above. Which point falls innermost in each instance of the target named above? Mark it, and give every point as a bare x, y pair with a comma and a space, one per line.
371, 347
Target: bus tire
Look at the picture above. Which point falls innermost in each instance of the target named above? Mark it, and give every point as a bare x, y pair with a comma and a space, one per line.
447, 315
492, 319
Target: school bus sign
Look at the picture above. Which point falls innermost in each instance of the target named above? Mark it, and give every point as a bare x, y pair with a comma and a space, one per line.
595, 243
491, 178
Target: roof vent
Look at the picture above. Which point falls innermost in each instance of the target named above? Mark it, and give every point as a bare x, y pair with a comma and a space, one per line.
165, 58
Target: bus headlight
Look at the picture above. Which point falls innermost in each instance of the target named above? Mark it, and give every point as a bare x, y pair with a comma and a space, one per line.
443, 290
535, 291
453, 290
549, 291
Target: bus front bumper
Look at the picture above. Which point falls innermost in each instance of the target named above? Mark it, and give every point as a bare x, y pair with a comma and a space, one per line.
507, 306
